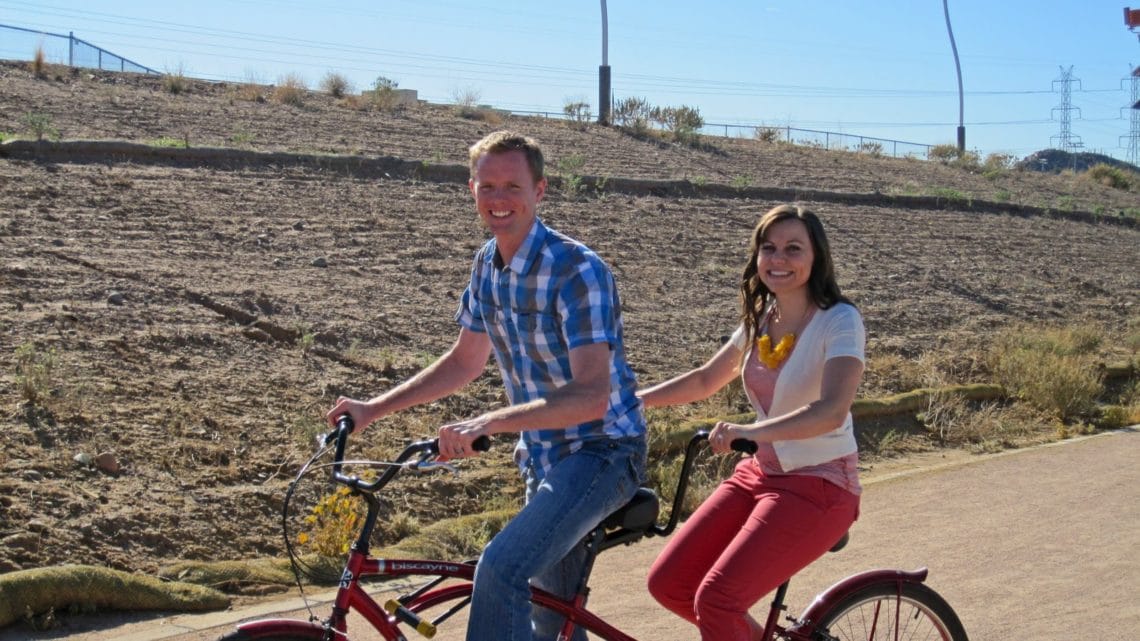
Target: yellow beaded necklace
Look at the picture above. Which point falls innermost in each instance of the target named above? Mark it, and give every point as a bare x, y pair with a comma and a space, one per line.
773, 357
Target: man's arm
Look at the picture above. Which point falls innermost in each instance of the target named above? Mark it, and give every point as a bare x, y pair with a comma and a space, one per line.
457, 367
584, 398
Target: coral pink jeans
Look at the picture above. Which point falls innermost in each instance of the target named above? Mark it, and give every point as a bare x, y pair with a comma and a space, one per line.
752, 534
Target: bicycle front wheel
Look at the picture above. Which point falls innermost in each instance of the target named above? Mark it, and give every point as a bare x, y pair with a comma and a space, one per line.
884, 612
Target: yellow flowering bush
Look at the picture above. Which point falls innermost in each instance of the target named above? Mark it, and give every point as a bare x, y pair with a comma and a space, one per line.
332, 524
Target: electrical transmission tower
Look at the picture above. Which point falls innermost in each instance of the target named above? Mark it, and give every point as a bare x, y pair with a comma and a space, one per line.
1131, 142
1132, 21
1066, 140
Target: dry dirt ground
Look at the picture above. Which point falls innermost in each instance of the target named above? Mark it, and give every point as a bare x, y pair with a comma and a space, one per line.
194, 319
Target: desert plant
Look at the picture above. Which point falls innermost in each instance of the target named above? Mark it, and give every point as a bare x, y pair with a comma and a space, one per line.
383, 93
949, 193
634, 114
682, 122
766, 134
34, 373
870, 147
169, 141
942, 153
1109, 176
577, 111
466, 101
336, 84
175, 81
1052, 369
241, 137
39, 63
570, 167
997, 164
290, 90
40, 126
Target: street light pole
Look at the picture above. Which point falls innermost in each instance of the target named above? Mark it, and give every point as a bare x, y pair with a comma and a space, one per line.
604, 72
961, 101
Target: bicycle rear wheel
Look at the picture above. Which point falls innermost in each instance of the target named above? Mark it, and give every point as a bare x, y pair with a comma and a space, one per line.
883, 612
242, 636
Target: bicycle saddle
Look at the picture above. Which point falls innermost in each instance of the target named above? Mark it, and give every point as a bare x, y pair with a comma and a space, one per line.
638, 514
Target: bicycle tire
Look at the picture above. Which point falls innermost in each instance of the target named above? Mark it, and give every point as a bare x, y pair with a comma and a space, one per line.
869, 614
242, 636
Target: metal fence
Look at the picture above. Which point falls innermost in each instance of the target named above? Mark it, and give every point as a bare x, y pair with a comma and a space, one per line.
18, 43
831, 140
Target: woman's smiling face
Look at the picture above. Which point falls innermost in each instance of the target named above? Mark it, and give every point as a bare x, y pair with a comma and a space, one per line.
785, 257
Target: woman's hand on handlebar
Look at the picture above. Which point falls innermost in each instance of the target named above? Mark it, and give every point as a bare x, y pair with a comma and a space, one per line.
730, 437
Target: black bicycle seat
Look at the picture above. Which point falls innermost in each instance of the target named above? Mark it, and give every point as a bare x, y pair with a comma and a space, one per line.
638, 514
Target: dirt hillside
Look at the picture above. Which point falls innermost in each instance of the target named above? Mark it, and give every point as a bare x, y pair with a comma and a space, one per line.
193, 320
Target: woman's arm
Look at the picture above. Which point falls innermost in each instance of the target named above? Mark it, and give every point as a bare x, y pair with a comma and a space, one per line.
841, 376
697, 384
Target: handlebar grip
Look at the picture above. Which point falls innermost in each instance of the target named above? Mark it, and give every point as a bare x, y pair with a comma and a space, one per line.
344, 423
481, 444
744, 445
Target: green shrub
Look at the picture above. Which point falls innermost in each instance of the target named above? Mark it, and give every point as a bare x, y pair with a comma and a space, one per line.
634, 114
383, 94
682, 122
40, 126
570, 168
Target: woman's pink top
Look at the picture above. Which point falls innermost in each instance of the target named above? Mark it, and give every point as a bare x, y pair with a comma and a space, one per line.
760, 383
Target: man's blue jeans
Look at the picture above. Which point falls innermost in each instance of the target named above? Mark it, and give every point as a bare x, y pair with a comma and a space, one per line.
540, 544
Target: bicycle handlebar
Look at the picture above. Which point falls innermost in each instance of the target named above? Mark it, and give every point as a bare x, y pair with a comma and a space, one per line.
425, 449
740, 445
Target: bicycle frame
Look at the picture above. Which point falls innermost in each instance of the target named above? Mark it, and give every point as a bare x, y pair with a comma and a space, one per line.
351, 596
634, 522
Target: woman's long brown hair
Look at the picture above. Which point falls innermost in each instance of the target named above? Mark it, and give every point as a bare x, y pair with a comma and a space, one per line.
822, 286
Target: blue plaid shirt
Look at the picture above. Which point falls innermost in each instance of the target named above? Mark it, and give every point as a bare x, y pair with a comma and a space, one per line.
556, 294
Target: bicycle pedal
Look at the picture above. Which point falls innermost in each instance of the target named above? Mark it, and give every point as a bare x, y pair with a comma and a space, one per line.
395, 608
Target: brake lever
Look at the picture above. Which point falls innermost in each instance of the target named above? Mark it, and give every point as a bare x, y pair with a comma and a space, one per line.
425, 465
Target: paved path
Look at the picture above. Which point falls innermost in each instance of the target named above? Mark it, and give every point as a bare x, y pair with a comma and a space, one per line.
1033, 544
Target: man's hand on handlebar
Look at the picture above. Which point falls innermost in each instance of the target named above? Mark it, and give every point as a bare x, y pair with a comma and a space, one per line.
459, 440
361, 412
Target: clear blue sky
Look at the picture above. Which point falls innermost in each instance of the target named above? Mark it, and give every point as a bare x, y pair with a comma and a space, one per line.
876, 68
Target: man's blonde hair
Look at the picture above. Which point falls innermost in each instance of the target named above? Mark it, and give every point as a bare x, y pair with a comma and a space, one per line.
503, 141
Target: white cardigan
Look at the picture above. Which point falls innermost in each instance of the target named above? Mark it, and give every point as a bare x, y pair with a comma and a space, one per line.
837, 331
